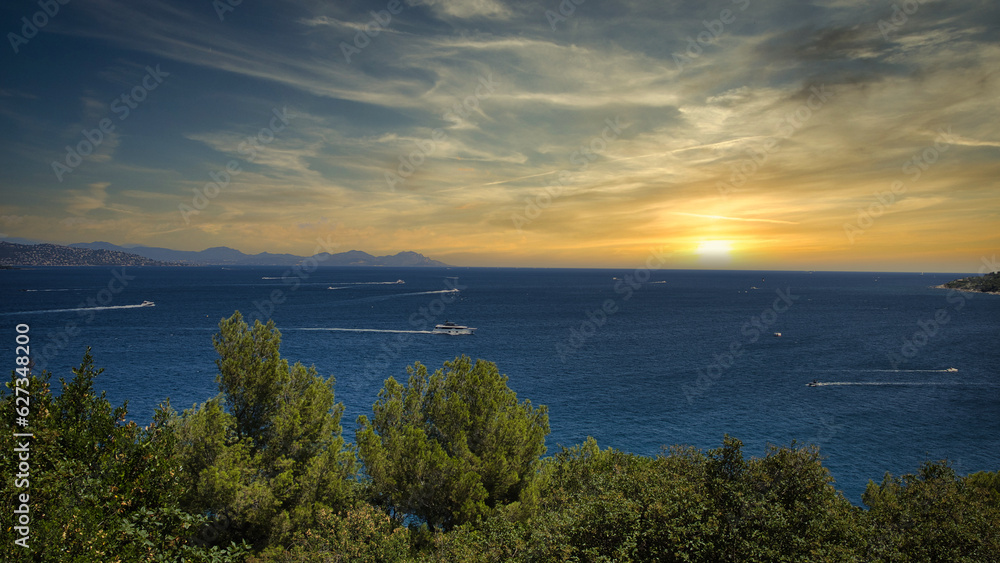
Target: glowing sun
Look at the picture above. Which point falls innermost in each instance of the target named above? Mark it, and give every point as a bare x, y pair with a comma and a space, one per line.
714, 250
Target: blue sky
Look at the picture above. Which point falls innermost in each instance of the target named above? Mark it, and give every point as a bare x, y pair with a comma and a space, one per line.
743, 134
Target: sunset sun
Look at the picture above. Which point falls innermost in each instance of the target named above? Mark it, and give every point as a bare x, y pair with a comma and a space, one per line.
714, 250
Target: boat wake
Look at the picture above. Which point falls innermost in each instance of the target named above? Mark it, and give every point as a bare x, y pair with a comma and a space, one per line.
426, 292
48, 290
897, 383
948, 370
397, 282
74, 309
408, 294
331, 329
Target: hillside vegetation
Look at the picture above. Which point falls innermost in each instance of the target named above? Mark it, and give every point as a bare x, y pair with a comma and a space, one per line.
12, 254
988, 283
449, 467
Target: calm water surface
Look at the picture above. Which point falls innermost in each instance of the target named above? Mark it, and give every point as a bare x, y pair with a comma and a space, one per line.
683, 357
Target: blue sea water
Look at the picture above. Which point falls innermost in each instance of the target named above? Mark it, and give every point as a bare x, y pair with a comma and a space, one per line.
638, 360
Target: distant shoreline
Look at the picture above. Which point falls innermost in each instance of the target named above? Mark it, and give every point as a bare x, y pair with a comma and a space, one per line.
943, 286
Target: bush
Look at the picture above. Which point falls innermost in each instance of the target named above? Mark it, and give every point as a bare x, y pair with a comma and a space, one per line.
450, 447
100, 489
267, 451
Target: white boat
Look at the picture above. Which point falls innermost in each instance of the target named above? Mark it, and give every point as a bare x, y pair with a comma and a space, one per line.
400, 281
452, 328
147, 304
952, 369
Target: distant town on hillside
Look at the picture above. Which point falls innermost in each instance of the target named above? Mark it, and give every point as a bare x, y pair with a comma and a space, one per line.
107, 254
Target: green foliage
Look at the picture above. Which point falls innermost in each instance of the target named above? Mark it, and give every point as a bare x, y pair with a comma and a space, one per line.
264, 461
684, 505
933, 515
100, 489
267, 451
987, 482
451, 447
987, 283
362, 534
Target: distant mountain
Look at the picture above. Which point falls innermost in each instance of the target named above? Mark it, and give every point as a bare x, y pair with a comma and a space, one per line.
225, 256
12, 254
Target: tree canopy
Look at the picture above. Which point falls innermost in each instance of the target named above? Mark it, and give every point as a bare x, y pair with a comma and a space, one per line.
267, 451
451, 446
99, 488
452, 472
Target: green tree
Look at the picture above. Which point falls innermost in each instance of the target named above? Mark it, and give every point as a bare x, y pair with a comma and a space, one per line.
684, 505
452, 446
932, 515
362, 534
100, 488
267, 452
987, 481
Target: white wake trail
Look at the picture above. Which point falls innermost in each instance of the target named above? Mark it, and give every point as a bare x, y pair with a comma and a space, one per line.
78, 309
897, 383
366, 330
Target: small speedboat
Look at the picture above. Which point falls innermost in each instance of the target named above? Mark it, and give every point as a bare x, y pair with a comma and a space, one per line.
953, 370
813, 383
147, 304
452, 328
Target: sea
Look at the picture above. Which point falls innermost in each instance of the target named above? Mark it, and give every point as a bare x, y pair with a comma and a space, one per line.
901, 372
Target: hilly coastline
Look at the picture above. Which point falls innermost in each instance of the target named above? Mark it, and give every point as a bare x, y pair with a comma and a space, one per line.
54, 255
988, 283
107, 254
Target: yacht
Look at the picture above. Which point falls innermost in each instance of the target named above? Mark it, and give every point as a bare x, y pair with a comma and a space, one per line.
452, 328
147, 304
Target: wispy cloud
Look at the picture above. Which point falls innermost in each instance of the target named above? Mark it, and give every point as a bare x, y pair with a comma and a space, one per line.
739, 111
747, 219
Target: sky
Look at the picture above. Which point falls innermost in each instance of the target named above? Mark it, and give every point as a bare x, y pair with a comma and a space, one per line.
728, 134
